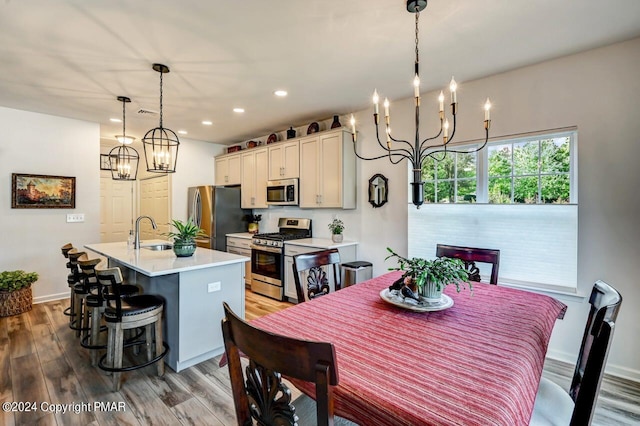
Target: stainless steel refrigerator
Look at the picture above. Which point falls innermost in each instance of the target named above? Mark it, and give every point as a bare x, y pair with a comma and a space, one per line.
217, 211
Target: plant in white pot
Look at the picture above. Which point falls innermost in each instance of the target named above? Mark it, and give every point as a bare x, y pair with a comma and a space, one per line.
15, 292
184, 240
428, 278
336, 227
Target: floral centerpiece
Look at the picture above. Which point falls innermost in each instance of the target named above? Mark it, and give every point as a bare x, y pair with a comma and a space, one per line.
15, 292
336, 227
184, 240
428, 278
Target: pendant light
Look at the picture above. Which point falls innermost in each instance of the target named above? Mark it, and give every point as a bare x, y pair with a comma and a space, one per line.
124, 160
160, 144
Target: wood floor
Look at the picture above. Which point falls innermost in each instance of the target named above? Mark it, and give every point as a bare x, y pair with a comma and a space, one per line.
41, 362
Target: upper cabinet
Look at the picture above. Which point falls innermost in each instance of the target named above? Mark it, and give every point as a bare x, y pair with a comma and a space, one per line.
284, 160
255, 173
327, 171
228, 170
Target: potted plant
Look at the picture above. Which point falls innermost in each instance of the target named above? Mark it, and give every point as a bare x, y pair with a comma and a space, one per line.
428, 278
336, 227
254, 219
184, 240
15, 292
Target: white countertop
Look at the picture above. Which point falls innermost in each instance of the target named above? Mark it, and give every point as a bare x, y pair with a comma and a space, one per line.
154, 263
245, 235
323, 243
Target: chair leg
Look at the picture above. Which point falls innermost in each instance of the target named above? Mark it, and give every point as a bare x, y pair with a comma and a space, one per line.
78, 314
86, 321
111, 344
117, 356
95, 334
149, 340
159, 346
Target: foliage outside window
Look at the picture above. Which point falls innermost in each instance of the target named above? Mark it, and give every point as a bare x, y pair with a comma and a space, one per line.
529, 170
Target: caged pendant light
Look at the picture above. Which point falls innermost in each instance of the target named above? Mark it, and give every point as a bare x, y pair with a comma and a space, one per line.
161, 144
123, 159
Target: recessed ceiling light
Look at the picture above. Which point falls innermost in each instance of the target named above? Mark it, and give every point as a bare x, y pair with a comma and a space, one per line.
238, 110
115, 120
182, 132
281, 93
207, 122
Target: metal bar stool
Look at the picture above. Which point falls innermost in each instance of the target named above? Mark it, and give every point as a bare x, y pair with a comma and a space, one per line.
81, 290
75, 281
65, 252
95, 304
143, 310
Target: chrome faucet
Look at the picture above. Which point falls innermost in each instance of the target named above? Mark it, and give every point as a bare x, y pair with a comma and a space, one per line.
136, 238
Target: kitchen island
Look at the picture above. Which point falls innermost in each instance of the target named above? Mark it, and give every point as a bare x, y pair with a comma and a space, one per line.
194, 288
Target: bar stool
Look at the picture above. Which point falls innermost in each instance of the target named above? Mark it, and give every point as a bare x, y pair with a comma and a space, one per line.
125, 314
95, 304
65, 252
88, 285
74, 280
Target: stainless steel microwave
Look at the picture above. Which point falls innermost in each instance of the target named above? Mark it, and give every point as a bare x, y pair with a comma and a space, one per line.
282, 192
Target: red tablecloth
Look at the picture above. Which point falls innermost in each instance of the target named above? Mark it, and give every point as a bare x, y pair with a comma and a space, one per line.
476, 363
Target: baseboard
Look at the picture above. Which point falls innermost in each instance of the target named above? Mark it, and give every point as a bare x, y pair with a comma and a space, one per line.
610, 369
50, 297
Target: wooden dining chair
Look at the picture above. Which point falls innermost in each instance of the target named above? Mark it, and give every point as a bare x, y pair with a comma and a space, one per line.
261, 396
553, 405
471, 255
307, 267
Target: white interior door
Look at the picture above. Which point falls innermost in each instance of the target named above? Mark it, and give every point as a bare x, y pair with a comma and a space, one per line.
155, 199
116, 209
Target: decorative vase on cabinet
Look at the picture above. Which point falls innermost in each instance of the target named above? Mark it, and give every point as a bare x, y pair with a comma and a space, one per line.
336, 122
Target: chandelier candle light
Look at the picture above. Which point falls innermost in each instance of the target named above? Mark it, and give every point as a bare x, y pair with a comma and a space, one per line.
161, 144
124, 160
418, 151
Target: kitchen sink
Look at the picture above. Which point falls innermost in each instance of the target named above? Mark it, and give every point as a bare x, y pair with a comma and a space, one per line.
158, 247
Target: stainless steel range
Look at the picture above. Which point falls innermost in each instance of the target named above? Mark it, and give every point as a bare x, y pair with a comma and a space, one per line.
267, 256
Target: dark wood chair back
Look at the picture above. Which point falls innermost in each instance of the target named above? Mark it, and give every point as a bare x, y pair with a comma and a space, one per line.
605, 303
471, 255
263, 397
316, 283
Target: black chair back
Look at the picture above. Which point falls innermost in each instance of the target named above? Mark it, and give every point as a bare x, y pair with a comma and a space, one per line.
263, 396
316, 283
605, 303
471, 255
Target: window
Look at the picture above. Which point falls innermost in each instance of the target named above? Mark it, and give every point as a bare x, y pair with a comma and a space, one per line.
526, 170
517, 195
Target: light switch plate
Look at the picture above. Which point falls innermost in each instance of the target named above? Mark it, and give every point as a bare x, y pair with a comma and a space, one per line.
75, 217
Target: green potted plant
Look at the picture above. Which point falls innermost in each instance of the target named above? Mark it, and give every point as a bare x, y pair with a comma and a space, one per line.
184, 240
336, 227
428, 278
15, 292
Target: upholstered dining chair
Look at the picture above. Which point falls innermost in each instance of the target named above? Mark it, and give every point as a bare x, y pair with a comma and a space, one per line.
261, 396
310, 278
553, 405
471, 255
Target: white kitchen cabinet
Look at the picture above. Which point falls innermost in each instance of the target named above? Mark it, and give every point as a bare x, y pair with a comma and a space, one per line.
254, 176
284, 160
328, 171
348, 253
228, 169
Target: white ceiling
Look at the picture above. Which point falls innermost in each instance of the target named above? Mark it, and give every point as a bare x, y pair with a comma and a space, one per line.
72, 58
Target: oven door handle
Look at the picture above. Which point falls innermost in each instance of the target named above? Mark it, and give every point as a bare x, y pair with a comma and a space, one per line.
277, 250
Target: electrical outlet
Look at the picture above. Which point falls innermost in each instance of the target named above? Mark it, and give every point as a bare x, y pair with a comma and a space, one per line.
75, 217
217, 286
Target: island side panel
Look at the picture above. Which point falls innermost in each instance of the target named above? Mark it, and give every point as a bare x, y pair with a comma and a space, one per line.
201, 310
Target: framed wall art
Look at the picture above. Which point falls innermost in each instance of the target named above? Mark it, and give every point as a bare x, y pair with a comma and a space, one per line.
42, 192
106, 161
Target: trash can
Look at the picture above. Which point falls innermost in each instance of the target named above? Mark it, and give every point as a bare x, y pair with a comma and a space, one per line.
356, 272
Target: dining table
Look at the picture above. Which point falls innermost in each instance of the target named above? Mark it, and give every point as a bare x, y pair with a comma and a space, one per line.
476, 362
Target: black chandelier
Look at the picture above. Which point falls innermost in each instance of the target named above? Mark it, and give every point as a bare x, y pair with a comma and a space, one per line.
418, 151
123, 159
160, 144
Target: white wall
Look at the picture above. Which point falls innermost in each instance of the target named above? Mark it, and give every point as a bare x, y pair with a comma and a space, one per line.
599, 92
31, 238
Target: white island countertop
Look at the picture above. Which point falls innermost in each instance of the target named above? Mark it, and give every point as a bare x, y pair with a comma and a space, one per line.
155, 263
